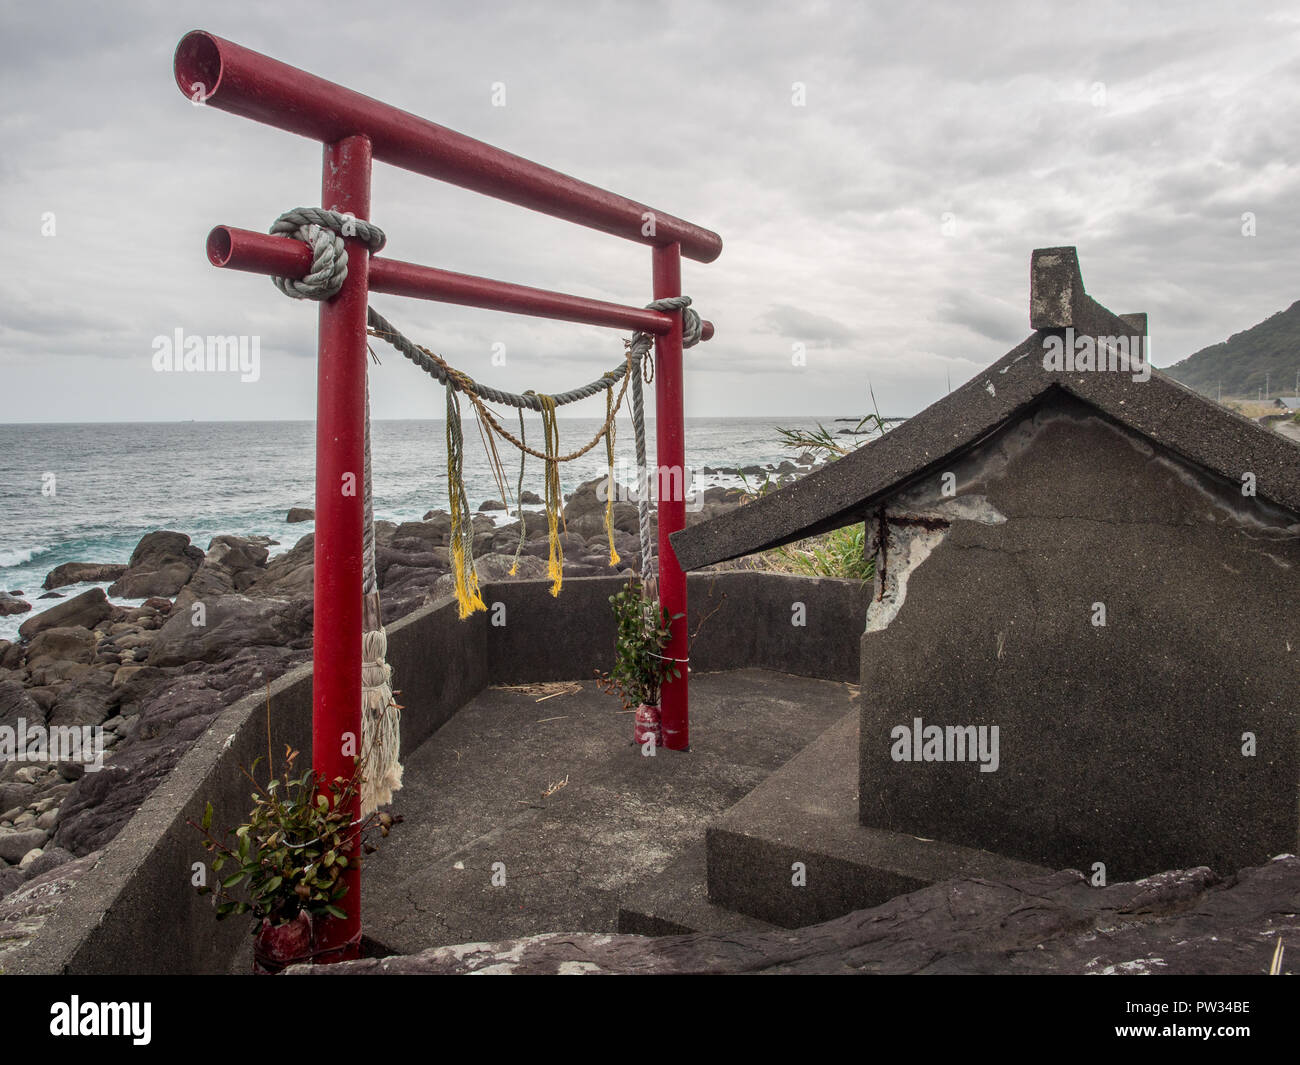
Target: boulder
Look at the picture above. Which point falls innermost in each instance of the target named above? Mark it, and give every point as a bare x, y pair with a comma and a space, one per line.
491, 504
28, 905
434, 530
232, 622
51, 858
77, 572
161, 564
288, 576
61, 644
231, 564
531, 499
584, 513
87, 610
51, 595
88, 700
297, 514
16, 703
10, 604
175, 712
14, 845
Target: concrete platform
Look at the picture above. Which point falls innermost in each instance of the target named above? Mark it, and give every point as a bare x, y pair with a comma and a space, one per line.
676, 902
554, 800
808, 812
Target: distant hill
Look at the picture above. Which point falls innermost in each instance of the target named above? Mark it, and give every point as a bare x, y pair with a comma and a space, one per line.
1241, 362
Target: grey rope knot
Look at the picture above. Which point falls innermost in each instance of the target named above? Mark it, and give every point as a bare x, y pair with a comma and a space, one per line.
691, 327
323, 231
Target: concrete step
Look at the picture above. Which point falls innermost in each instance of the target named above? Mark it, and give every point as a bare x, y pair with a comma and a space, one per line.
676, 903
807, 812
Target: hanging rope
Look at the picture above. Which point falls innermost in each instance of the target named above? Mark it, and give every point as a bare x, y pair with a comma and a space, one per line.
468, 596
554, 500
381, 720
519, 500
609, 481
324, 231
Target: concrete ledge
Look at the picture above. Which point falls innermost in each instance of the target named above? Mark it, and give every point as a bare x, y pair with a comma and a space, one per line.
739, 620
807, 812
676, 902
136, 911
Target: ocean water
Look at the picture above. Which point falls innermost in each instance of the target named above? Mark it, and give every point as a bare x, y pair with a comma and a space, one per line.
88, 492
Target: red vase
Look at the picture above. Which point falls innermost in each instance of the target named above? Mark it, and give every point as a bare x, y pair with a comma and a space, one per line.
647, 725
278, 946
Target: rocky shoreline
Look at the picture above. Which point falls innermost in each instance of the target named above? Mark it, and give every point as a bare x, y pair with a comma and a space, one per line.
149, 681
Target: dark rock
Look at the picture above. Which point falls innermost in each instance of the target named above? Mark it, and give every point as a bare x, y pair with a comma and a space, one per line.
1182, 922
61, 644
232, 622
11, 877
77, 572
161, 564
230, 565
135, 684
45, 697
297, 514
13, 845
16, 703
51, 595
87, 610
87, 701
173, 715
27, 906
531, 499
288, 576
158, 603
10, 604
584, 513
16, 792
52, 858
491, 504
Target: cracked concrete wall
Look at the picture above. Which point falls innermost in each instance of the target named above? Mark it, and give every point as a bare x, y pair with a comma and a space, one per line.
1120, 743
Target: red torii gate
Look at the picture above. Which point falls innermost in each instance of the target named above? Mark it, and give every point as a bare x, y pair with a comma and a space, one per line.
356, 130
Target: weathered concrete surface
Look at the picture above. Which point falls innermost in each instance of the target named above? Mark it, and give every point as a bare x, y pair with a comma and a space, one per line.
475, 796
1186, 922
1119, 743
676, 902
807, 813
803, 625
107, 922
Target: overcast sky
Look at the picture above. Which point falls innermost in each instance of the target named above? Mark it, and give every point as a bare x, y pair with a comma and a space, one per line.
886, 224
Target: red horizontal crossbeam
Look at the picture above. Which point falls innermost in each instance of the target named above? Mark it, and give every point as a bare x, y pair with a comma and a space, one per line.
260, 253
232, 78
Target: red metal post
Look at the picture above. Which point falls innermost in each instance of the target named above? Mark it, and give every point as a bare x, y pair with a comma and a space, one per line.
229, 77
258, 253
670, 446
340, 458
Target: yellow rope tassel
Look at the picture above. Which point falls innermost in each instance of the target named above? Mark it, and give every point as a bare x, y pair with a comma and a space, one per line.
609, 484
554, 500
468, 597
